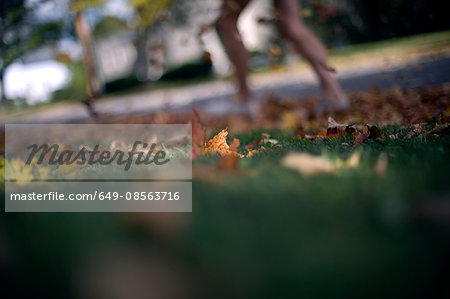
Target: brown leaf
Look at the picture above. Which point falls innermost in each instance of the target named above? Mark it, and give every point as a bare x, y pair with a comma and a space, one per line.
333, 124
252, 145
332, 131
219, 145
350, 129
266, 139
362, 136
336, 129
371, 132
374, 132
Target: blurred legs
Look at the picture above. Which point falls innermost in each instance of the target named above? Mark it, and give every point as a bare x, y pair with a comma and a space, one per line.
292, 27
227, 29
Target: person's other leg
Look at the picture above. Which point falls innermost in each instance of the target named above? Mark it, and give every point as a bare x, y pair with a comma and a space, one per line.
226, 26
293, 28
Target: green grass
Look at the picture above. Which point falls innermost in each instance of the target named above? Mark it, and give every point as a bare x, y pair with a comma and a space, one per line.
328, 235
408, 43
267, 231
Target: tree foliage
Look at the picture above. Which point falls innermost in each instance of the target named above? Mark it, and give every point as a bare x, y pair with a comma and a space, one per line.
21, 32
82, 5
147, 11
109, 25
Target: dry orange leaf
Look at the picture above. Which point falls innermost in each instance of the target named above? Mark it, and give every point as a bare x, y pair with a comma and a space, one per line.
336, 129
219, 145
320, 133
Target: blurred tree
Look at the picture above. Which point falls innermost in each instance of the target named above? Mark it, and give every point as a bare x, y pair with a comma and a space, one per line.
391, 18
108, 26
83, 33
147, 13
20, 32
369, 20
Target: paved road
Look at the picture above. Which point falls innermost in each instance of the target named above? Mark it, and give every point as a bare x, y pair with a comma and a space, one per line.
215, 97
427, 72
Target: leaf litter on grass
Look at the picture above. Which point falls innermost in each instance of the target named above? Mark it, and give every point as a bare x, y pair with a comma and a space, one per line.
309, 165
395, 106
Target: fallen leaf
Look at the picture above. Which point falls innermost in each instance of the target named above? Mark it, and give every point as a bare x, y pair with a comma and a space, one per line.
266, 139
353, 161
252, 145
371, 132
393, 136
219, 145
381, 165
307, 164
336, 129
312, 137
362, 136
333, 124
374, 132
320, 133
251, 152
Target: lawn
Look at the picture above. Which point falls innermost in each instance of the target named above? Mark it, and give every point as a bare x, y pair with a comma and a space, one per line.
260, 229
358, 230
365, 213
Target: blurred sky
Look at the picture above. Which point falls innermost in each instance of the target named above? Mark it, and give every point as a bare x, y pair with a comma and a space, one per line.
36, 80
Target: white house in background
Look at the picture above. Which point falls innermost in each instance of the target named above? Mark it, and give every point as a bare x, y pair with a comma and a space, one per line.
116, 56
169, 46
37, 75
181, 43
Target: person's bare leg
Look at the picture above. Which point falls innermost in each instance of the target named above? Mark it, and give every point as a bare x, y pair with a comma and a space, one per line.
226, 26
292, 27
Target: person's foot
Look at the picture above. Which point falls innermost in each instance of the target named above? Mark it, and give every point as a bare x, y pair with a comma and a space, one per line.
249, 105
329, 106
242, 96
333, 99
